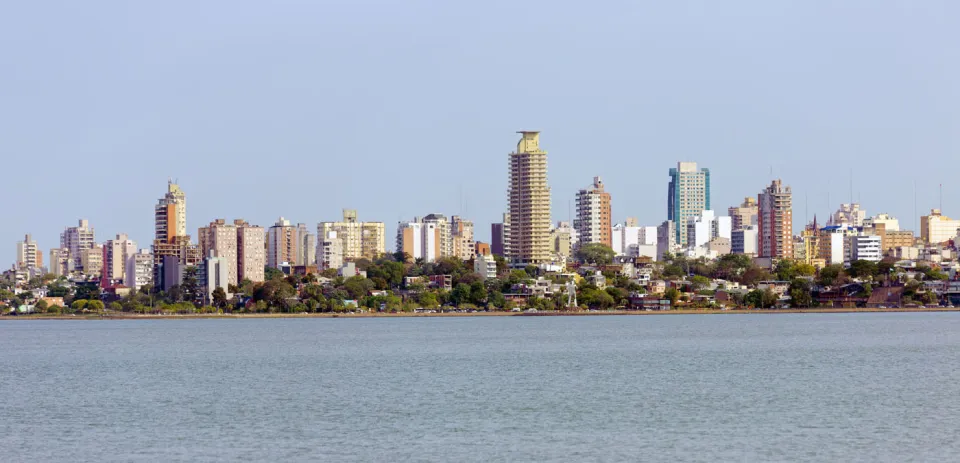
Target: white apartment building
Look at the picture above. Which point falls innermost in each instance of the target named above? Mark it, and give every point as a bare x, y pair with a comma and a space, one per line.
329, 251
485, 266
891, 224
706, 226
420, 240
688, 194
115, 254
744, 240
865, 247
27, 254
139, 270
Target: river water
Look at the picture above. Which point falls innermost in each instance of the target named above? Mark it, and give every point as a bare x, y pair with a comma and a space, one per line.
797, 387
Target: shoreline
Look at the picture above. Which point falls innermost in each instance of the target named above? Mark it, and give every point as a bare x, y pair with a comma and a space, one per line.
131, 316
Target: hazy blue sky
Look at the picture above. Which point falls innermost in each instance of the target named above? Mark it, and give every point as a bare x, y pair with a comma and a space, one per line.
302, 108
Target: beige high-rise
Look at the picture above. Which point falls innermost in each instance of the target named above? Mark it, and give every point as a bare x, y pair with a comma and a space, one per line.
251, 252
461, 233
219, 239
357, 239
115, 254
528, 197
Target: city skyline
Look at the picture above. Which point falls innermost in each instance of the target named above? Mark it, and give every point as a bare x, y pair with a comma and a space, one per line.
741, 104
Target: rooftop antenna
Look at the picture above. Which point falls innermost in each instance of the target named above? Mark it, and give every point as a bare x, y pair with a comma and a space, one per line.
851, 186
941, 198
914, 205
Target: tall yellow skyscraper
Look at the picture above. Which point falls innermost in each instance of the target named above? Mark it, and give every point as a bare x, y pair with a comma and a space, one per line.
529, 202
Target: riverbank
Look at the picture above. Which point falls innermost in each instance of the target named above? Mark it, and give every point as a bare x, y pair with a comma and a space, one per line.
131, 316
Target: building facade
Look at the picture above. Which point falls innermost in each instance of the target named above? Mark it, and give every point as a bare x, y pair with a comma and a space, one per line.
593, 221
420, 240
500, 237
75, 239
251, 251
60, 263
306, 246
528, 197
849, 214
461, 235
329, 251
743, 215
27, 254
115, 254
139, 270
358, 239
775, 221
744, 240
220, 239
937, 228
170, 234
688, 194
282, 243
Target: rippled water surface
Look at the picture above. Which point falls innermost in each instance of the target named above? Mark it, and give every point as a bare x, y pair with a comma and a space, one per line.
807, 387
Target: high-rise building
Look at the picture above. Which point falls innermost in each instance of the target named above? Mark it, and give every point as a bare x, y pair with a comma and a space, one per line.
220, 239
500, 237
775, 221
27, 252
214, 274
688, 194
890, 223
251, 251
282, 244
420, 240
139, 271
529, 203
937, 228
443, 226
329, 251
744, 240
593, 220
170, 214
75, 239
707, 226
171, 238
91, 260
461, 234
306, 246
60, 263
358, 239
563, 239
115, 254
848, 214
666, 238
743, 215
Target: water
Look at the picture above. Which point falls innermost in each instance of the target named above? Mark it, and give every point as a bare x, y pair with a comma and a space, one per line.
814, 387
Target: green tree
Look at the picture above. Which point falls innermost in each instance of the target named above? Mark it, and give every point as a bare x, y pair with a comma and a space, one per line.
428, 300
478, 293
460, 294
596, 253
800, 294
863, 269
79, 304
699, 282
219, 297
497, 300
832, 275
40, 306
673, 295
116, 307
358, 286
95, 306
270, 273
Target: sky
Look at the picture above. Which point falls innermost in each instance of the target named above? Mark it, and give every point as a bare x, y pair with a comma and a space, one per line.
399, 109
